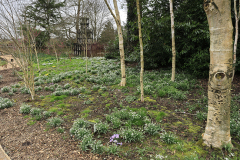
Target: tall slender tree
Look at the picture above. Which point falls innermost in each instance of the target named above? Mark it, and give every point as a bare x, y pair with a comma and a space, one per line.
77, 19
217, 131
173, 42
141, 49
236, 34
120, 36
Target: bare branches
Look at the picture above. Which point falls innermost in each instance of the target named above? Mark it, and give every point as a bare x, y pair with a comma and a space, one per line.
115, 18
19, 41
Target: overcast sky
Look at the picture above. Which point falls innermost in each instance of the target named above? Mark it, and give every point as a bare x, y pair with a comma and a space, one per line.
123, 13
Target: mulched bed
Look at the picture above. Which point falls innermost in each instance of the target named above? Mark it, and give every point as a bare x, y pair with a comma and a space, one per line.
23, 141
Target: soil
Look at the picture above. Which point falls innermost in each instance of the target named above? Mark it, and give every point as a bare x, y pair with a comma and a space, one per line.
23, 141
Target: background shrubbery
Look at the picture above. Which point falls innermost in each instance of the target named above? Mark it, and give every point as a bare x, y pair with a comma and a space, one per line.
191, 36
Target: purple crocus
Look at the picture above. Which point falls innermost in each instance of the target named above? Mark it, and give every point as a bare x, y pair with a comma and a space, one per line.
112, 138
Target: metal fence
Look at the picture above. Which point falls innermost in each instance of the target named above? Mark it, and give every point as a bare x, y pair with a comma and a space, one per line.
93, 50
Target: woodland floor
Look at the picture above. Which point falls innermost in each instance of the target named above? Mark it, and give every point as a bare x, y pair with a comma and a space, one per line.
31, 142
23, 141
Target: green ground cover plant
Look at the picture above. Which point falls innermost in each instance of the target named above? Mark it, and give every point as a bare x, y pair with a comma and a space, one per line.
172, 116
55, 121
5, 89
25, 109
5, 103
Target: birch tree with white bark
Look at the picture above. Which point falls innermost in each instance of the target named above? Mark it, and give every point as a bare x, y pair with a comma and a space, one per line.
217, 131
236, 34
173, 42
141, 50
120, 36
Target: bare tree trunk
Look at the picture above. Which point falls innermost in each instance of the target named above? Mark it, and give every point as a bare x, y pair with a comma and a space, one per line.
77, 20
86, 43
120, 36
236, 34
141, 50
35, 50
217, 131
86, 57
55, 51
121, 47
173, 42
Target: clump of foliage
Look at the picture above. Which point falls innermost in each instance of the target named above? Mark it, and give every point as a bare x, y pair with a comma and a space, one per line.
5, 103
95, 87
25, 109
5, 89
35, 111
47, 114
72, 92
116, 122
130, 98
25, 90
201, 116
14, 90
97, 147
168, 138
101, 128
15, 85
131, 135
55, 121
228, 147
39, 88
152, 128
60, 130
66, 86
78, 128
112, 149
87, 142
79, 133
235, 119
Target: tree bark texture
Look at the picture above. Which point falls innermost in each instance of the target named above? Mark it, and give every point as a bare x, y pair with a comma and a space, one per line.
141, 50
173, 42
121, 47
217, 131
77, 20
236, 34
86, 46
